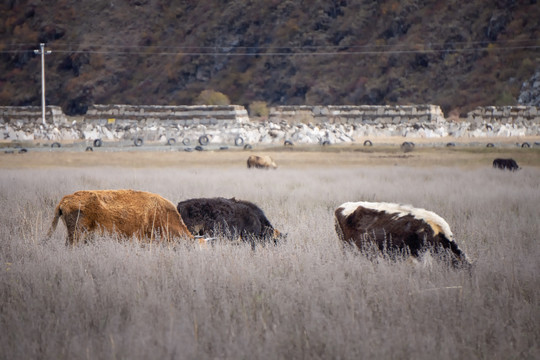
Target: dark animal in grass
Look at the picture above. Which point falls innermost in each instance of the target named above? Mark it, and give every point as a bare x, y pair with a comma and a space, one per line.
396, 228
228, 217
505, 164
128, 213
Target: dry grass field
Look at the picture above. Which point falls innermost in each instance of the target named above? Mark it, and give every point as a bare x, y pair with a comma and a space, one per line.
308, 298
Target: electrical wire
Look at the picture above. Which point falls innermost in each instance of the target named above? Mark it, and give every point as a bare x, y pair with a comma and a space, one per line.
370, 49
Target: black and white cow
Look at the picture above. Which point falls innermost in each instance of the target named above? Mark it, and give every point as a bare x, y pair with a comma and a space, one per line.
227, 217
394, 227
505, 164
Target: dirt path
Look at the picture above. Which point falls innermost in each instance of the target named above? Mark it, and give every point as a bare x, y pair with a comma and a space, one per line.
308, 156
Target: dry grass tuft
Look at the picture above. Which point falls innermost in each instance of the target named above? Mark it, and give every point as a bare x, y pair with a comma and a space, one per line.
308, 298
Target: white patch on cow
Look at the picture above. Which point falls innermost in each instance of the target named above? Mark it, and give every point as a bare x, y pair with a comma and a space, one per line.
437, 223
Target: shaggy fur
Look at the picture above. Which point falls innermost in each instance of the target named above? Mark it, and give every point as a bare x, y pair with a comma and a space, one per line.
261, 162
215, 216
505, 164
125, 212
396, 227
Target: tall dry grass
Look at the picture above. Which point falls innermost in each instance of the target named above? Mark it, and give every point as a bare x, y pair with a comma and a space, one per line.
305, 299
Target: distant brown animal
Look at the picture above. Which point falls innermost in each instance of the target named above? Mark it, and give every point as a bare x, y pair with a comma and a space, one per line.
125, 212
261, 162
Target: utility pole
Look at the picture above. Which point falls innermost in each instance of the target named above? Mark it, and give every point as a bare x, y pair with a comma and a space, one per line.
42, 52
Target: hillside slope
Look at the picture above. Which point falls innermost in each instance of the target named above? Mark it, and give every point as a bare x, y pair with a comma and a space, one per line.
454, 54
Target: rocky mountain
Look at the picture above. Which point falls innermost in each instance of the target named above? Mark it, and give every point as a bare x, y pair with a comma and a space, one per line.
452, 53
530, 91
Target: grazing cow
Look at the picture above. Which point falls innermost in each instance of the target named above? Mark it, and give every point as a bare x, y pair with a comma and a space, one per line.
125, 212
396, 227
506, 164
215, 216
261, 162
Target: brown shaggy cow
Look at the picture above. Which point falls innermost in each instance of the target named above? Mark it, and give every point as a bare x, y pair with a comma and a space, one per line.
125, 212
261, 162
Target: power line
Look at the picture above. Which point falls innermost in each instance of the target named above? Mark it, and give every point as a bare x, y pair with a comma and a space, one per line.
325, 53
289, 50
320, 53
426, 43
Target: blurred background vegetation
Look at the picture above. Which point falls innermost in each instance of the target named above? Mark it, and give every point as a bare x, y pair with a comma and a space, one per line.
455, 54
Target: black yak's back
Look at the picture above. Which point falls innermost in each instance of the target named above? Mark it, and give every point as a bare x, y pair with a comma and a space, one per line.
221, 216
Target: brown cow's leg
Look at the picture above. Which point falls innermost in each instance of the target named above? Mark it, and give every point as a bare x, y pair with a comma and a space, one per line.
69, 239
75, 227
70, 227
77, 235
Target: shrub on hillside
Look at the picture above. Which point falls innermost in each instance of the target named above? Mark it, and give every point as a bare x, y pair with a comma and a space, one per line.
212, 97
258, 108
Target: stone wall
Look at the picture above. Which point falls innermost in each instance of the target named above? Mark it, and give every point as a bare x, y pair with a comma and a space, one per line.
519, 115
300, 124
362, 114
179, 115
30, 114
114, 122
504, 121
